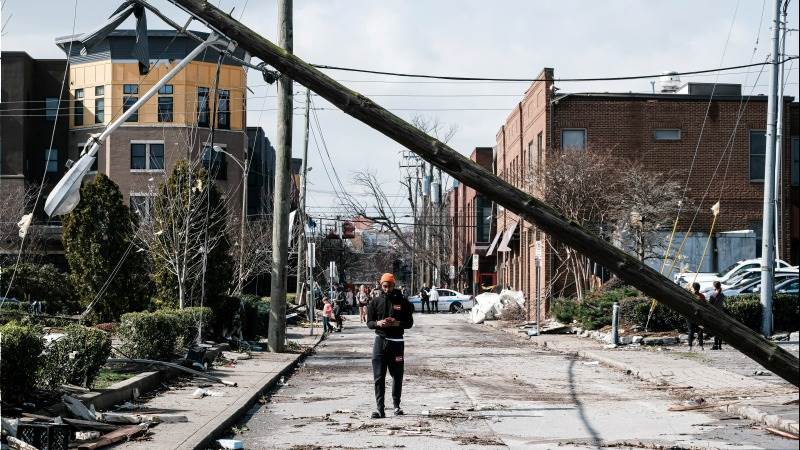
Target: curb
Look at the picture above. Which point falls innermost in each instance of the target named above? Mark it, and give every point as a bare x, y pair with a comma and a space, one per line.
203, 436
743, 411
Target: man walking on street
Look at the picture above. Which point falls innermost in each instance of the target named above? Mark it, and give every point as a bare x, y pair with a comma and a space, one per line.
717, 300
434, 295
692, 326
424, 299
389, 314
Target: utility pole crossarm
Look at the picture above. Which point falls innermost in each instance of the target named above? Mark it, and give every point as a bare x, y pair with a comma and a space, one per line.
492, 187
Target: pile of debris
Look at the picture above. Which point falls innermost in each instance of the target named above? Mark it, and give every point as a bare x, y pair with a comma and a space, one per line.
489, 306
85, 429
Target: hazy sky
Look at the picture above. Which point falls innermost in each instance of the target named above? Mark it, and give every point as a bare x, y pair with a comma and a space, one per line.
468, 38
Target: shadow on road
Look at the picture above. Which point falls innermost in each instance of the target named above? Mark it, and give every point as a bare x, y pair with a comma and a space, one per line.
596, 440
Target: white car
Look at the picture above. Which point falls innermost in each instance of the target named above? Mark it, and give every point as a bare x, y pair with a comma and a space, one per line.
785, 283
707, 279
747, 278
449, 300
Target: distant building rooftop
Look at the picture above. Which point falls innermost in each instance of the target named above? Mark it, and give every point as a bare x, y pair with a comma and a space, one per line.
119, 45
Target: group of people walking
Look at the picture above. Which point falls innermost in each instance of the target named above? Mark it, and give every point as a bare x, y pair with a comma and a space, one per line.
429, 297
345, 301
717, 299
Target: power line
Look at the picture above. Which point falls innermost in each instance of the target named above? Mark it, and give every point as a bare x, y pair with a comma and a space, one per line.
464, 78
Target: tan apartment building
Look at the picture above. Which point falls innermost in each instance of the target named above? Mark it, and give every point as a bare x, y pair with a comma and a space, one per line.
175, 124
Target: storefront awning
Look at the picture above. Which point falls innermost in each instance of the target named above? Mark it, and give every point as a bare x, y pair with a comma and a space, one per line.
494, 243
507, 238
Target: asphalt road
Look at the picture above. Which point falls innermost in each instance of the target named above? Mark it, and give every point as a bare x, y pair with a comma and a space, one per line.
468, 386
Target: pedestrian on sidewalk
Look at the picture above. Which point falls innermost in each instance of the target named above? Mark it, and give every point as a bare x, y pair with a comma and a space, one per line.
350, 298
327, 315
434, 296
389, 314
691, 325
363, 299
717, 300
424, 298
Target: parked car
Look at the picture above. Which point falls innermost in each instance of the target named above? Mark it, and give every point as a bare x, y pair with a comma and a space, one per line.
785, 283
707, 279
449, 300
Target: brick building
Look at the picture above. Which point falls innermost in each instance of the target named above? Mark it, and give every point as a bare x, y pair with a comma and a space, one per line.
471, 221
661, 131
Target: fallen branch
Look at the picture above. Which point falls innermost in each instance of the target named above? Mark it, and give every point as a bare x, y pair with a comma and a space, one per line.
174, 366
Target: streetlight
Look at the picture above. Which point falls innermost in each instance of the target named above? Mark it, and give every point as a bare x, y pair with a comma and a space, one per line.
245, 166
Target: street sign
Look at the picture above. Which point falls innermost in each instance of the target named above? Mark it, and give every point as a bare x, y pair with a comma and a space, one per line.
539, 250
475, 262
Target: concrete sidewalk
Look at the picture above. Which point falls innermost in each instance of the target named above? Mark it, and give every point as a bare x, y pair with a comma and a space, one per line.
718, 377
209, 417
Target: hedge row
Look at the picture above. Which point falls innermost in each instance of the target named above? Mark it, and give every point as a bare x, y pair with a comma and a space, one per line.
159, 334
595, 311
74, 358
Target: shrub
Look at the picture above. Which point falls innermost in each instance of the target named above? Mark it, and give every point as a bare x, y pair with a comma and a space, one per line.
149, 335
21, 347
187, 321
746, 309
255, 321
634, 311
75, 358
41, 282
564, 310
786, 312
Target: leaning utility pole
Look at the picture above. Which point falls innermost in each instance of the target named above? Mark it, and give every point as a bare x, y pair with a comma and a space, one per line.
283, 172
301, 242
528, 207
768, 224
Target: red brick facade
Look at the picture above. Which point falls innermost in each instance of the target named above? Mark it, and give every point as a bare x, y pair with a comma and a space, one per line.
625, 124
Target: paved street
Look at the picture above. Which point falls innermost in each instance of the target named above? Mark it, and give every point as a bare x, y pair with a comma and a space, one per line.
469, 386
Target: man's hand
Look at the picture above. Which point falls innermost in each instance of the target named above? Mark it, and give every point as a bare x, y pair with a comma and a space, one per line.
380, 323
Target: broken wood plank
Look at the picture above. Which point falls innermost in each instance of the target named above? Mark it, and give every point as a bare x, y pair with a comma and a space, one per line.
121, 434
123, 418
90, 424
528, 207
174, 366
19, 444
782, 433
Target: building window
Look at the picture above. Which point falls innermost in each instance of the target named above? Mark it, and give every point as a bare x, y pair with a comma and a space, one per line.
202, 107
758, 145
129, 98
667, 134
78, 113
795, 161
147, 156
81, 149
214, 162
224, 110
99, 91
51, 160
539, 152
573, 139
483, 215
51, 108
142, 205
165, 103
99, 110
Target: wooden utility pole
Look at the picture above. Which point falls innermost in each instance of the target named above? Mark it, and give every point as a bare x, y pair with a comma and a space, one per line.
529, 208
283, 174
301, 242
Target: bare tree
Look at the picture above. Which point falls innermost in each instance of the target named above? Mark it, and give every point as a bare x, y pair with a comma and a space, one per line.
17, 201
647, 207
584, 186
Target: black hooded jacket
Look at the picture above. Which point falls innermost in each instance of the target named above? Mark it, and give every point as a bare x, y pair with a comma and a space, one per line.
395, 305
